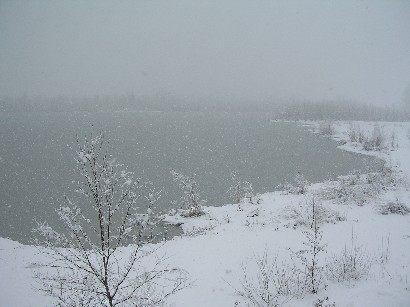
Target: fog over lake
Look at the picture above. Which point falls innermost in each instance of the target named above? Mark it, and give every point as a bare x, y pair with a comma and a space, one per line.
205, 50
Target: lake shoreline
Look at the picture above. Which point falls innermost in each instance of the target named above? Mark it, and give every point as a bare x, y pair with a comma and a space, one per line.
217, 245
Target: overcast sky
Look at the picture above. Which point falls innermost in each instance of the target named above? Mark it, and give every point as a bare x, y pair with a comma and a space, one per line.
244, 49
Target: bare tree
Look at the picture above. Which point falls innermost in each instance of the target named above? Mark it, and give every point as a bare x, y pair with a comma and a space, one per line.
88, 262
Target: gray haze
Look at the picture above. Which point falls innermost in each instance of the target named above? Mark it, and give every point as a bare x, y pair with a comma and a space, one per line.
231, 49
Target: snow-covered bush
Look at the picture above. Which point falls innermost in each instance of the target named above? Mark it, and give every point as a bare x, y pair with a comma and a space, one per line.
88, 264
362, 188
270, 283
385, 176
352, 264
376, 140
191, 202
352, 133
242, 190
326, 128
301, 214
395, 207
324, 302
373, 142
356, 135
351, 189
299, 187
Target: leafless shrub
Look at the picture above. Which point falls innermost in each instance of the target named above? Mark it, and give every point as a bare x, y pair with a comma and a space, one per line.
326, 128
356, 135
299, 187
352, 264
362, 188
242, 190
301, 214
349, 189
385, 176
191, 202
373, 142
271, 284
353, 134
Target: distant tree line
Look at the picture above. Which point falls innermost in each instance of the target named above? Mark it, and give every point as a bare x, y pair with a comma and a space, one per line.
280, 109
341, 110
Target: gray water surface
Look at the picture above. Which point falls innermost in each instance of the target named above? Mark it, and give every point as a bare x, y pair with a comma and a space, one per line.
37, 164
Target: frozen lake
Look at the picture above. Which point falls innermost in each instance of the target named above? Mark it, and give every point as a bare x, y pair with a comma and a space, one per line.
37, 149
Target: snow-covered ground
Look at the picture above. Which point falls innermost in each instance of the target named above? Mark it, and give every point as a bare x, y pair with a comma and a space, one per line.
221, 245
